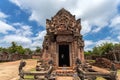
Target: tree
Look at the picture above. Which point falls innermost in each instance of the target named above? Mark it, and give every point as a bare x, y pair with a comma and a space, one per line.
1, 49
28, 51
102, 49
88, 53
20, 49
38, 49
106, 47
96, 51
17, 48
13, 48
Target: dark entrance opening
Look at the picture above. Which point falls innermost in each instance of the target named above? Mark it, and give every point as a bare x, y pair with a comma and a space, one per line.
64, 58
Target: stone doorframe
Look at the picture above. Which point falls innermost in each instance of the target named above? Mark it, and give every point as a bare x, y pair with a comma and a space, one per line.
57, 55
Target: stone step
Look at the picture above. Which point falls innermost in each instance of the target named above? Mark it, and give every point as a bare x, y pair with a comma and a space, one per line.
65, 72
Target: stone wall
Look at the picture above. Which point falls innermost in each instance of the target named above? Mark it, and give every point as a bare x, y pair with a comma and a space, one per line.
15, 56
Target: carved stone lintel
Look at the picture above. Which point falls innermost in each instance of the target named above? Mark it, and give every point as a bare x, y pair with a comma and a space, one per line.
64, 38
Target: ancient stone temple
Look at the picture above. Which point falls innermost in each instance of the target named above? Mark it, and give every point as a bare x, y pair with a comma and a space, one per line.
63, 56
63, 42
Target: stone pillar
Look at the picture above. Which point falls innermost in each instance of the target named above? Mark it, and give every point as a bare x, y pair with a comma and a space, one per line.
53, 53
72, 53
44, 53
79, 53
55, 56
75, 52
82, 55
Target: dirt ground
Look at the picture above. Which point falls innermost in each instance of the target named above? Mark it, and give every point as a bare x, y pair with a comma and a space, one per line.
9, 70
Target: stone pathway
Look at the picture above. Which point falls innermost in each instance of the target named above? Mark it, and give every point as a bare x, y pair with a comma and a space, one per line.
64, 78
9, 70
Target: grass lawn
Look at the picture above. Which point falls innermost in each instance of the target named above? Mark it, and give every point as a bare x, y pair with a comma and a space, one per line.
118, 72
29, 77
100, 78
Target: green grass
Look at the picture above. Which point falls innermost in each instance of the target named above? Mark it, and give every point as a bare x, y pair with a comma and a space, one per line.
100, 78
91, 61
29, 77
118, 72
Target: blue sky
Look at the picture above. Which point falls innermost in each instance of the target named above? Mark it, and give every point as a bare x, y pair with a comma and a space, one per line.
23, 21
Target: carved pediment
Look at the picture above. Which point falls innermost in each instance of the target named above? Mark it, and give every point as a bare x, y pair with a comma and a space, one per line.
63, 21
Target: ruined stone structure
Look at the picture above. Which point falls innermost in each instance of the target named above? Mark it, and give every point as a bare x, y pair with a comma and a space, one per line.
63, 52
63, 42
114, 54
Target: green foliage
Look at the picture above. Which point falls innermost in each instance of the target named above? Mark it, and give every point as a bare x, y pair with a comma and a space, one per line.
38, 49
102, 49
15, 48
87, 53
100, 78
27, 50
1, 49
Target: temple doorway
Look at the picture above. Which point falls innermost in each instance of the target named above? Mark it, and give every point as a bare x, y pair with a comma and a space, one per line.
64, 56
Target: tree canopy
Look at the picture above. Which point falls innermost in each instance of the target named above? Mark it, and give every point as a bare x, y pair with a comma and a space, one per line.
15, 48
102, 49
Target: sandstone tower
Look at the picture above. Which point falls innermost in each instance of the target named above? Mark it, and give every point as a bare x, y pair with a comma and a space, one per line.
63, 42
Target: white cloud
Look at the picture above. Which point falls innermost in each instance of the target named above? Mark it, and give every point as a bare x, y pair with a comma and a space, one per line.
93, 12
115, 25
16, 38
22, 34
17, 24
86, 28
36, 44
2, 15
118, 37
95, 15
115, 21
24, 41
16, 2
108, 40
24, 30
89, 44
40, 35
38, 40
4, 27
